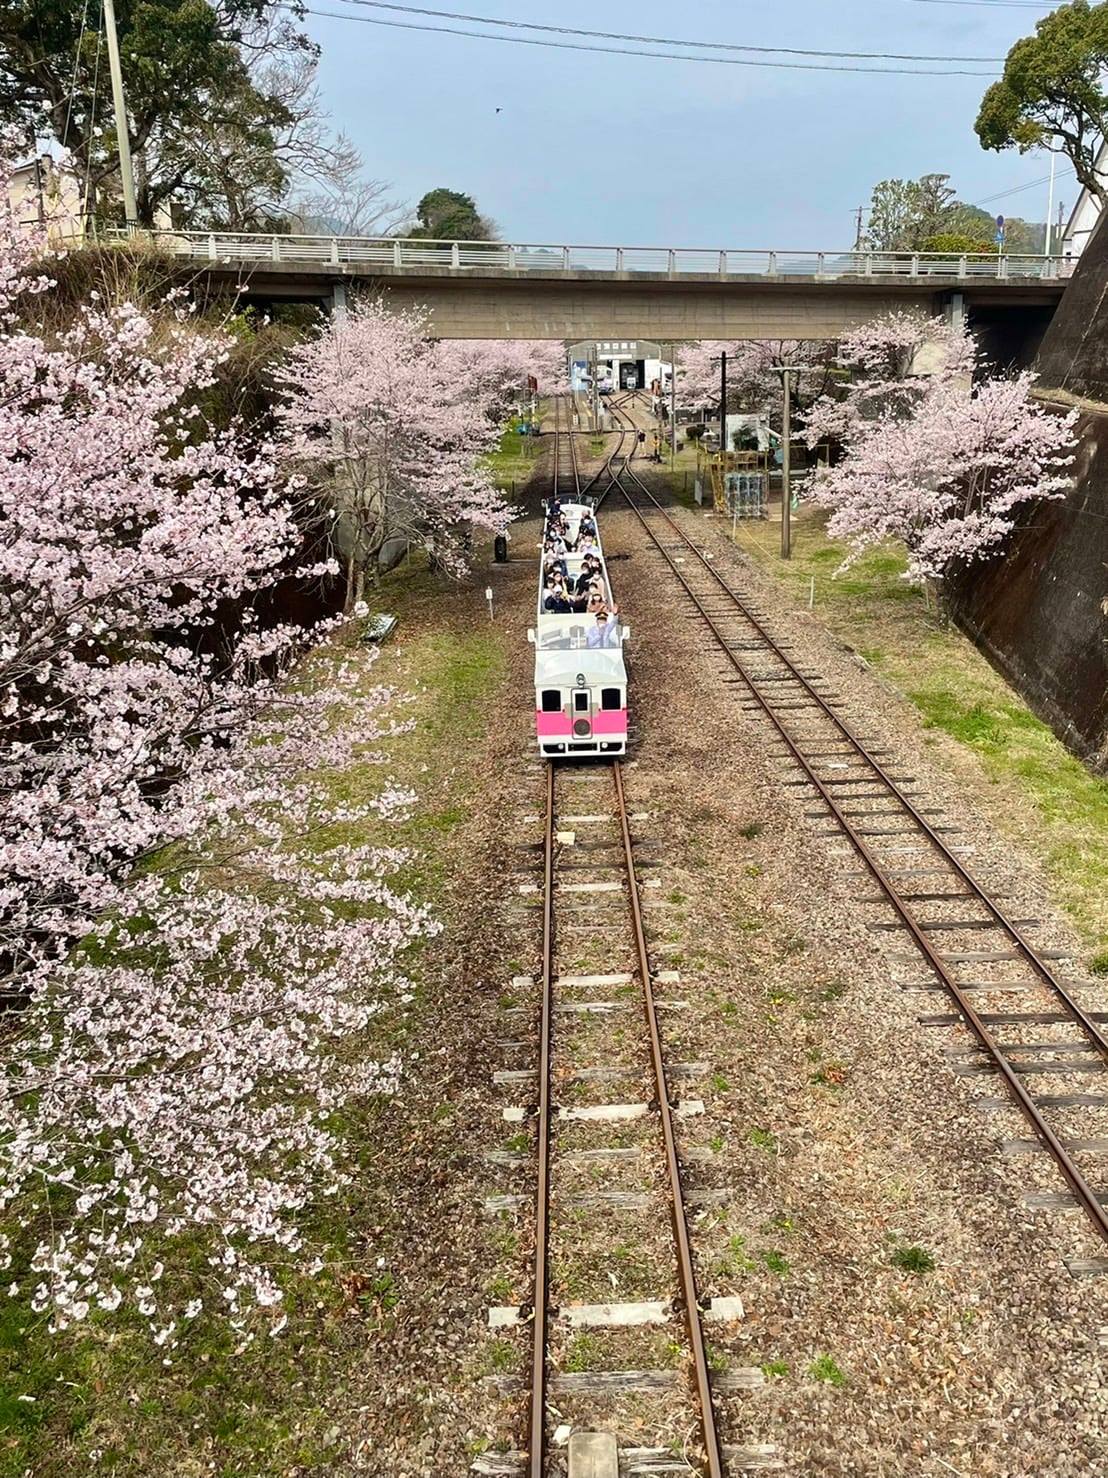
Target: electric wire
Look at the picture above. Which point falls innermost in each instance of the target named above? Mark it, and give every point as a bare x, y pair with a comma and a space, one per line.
992, 4
723, 61
73, 80
92, 117
511, 25
1060, 174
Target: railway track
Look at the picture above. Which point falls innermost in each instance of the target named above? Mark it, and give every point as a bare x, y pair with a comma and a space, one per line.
609, 1174
924, 888
586, 814
562, 412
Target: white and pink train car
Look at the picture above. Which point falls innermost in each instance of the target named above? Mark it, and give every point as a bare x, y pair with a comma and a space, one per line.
580, 676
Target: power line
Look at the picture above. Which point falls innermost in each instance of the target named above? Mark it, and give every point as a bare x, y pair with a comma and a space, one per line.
992, 4
723, 61
484, 20
1018, 189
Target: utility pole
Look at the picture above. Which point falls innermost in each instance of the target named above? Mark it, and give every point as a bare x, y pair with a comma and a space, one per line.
673, 401
1050, 204
786, 446
595, 388
723, 413
858, 214
123, 138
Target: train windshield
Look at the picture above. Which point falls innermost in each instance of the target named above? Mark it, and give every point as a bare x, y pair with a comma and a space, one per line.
567, 633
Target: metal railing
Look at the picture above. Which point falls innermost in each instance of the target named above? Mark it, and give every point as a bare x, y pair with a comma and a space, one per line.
385, 254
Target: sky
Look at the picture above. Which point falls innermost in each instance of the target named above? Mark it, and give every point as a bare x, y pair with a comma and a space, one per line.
629, 150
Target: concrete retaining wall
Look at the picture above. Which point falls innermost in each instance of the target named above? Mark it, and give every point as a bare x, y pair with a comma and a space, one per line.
1037, 611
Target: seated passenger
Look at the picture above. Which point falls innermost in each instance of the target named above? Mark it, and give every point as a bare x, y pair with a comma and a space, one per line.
606, 631
555, 602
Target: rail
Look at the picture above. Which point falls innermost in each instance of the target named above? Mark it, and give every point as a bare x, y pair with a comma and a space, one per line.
385, 254
804, 697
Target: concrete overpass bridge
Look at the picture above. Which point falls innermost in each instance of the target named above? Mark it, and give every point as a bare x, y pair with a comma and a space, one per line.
501, 290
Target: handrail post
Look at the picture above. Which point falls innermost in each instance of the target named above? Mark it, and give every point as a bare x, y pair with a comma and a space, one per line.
512, 258
672, 262
867, 264
961, 266
771, 264
397, 258
455, 255
335, 250
275, 249
819, 264
723, 264
619, 258
915, 264
1002, 265
565, 258
211, 245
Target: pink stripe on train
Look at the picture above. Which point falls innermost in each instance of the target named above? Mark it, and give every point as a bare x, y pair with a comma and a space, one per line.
606, 721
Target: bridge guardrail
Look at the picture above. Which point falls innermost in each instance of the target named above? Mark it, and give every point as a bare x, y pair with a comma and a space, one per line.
394, 253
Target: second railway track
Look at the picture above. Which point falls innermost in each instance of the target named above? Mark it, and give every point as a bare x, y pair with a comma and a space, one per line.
951, 918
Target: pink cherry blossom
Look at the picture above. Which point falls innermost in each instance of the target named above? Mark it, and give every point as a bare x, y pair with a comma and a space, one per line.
935, 458
390, 429
199, 981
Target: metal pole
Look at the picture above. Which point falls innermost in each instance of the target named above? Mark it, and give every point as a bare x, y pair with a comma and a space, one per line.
786, 491
723, 408
673, 401
595, 388
123, 139
1050, 204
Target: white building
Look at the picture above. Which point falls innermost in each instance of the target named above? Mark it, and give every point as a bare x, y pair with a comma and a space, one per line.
1086, 212
45, 196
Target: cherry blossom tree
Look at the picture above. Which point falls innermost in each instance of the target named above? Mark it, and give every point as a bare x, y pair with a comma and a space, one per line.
187, 970
494, 372
931, 457
886, 366
753, 383
390, 432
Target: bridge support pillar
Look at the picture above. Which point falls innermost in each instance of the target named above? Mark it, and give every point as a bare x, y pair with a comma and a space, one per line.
338, 300
956, 310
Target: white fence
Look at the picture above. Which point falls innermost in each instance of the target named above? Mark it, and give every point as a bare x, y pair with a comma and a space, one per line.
386, 254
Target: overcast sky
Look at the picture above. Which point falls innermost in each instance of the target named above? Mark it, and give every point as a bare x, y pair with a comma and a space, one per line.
635, 150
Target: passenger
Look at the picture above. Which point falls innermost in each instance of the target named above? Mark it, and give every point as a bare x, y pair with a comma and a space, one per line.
606, 631
555, 601
586, 544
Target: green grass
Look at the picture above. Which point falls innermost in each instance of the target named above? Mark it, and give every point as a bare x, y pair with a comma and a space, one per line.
775, 1369
824, 1368
513, 461
274, 1407
912, 1260
1037, 790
